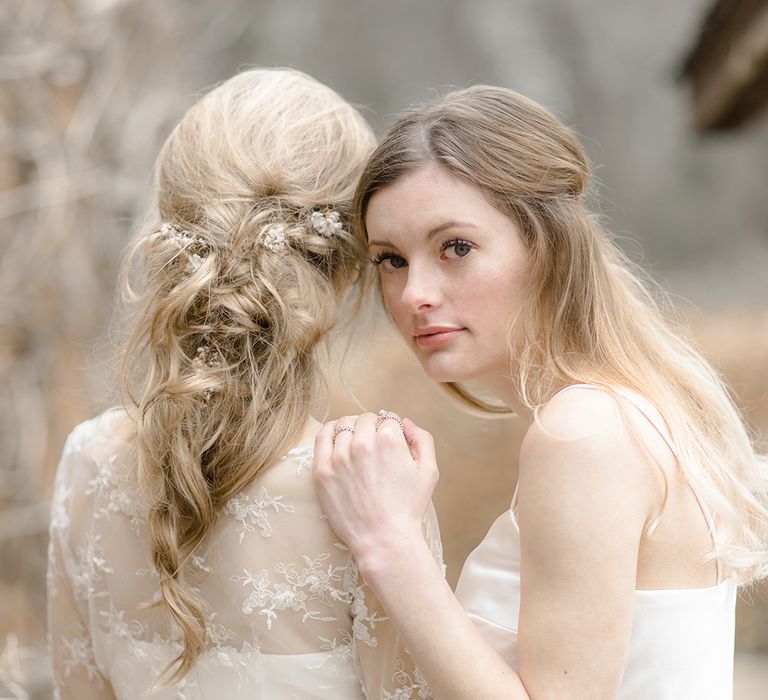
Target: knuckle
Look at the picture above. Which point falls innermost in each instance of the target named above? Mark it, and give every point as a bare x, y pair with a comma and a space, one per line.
389, 436
321, 475
360, 448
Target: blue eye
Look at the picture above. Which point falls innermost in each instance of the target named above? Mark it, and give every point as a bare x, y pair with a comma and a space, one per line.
460, 248
389, 261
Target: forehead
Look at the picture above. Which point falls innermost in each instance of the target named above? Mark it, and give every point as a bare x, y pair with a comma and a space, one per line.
425, 199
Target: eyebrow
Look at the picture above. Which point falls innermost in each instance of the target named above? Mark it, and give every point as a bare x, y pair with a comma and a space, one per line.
431, 233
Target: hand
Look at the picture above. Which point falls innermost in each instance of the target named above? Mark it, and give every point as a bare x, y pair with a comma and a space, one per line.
374, 484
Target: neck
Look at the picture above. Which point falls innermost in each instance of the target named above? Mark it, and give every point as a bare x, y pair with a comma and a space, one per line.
506, 389
311, 428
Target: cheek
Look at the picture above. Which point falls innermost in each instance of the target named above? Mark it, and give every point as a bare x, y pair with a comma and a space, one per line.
497, 297
390, 297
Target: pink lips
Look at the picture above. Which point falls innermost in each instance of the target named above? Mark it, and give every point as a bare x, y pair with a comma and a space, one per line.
435, 335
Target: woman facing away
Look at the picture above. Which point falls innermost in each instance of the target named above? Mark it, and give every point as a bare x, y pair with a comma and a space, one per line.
189, 556
640, 505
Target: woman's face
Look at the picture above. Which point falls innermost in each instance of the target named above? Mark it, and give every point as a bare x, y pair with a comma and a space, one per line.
452, 270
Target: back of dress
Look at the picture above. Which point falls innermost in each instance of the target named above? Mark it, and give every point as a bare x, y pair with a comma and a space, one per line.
289, 615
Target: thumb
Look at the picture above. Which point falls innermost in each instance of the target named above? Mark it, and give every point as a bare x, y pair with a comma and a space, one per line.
420, 442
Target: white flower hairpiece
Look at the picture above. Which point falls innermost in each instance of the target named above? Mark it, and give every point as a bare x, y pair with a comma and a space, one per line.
274, 239
206, 356
193, 262
326, 223
183, 240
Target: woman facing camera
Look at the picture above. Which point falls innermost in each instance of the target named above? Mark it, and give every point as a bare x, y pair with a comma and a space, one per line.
640, 505
189, 555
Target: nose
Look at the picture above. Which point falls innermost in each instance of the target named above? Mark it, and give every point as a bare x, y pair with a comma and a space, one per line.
421, 291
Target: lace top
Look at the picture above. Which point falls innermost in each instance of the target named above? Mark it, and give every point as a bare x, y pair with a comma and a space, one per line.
289, 615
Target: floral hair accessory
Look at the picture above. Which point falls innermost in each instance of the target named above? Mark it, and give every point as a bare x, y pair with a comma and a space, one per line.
274, 239
206, 356
193, 262
326, 223
184, 240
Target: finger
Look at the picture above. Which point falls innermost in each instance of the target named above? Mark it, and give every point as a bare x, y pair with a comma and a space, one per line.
324, 446
390, 423
343, 431
421, 443
365, 429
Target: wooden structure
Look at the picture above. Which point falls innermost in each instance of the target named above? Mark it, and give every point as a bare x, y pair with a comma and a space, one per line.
728, 64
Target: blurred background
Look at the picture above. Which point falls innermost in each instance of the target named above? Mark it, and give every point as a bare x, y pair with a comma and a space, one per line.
669, 98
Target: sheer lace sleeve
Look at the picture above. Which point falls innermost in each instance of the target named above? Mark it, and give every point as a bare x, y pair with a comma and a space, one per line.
287, 614
386, 669
76, 675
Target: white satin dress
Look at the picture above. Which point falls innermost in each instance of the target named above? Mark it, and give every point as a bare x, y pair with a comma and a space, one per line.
682, 641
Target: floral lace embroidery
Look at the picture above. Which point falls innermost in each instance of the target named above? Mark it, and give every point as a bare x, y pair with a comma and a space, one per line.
78, 653
59, 512
53, 571
91, 564
244, 661
305, 458
119, 491
252, 512
407, 685
200, 565
340, 656
313, 584
154, 653
363, 620
115, 622
326, 588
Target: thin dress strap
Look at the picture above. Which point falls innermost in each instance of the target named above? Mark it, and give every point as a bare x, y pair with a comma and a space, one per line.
654, 417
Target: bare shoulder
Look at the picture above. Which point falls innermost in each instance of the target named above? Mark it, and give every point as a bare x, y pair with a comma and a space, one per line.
584, 497
577, 422
579, 412
579, 453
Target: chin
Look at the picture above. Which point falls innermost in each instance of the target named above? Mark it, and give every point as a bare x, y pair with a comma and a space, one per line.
444, 372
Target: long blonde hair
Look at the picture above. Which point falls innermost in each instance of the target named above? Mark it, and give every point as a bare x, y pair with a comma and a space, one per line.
221, 365
588, 316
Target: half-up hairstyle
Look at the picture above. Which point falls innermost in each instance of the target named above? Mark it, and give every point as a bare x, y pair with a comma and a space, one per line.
587, 316
234, 282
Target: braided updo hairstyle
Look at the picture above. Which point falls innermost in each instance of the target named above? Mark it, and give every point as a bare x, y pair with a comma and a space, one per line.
234, 286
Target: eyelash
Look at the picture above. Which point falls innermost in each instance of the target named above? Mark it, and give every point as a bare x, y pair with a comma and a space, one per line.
388, 255
382, 256
455, 242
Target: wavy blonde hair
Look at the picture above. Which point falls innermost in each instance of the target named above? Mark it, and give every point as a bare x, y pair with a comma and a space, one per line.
221, 366
588, 316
